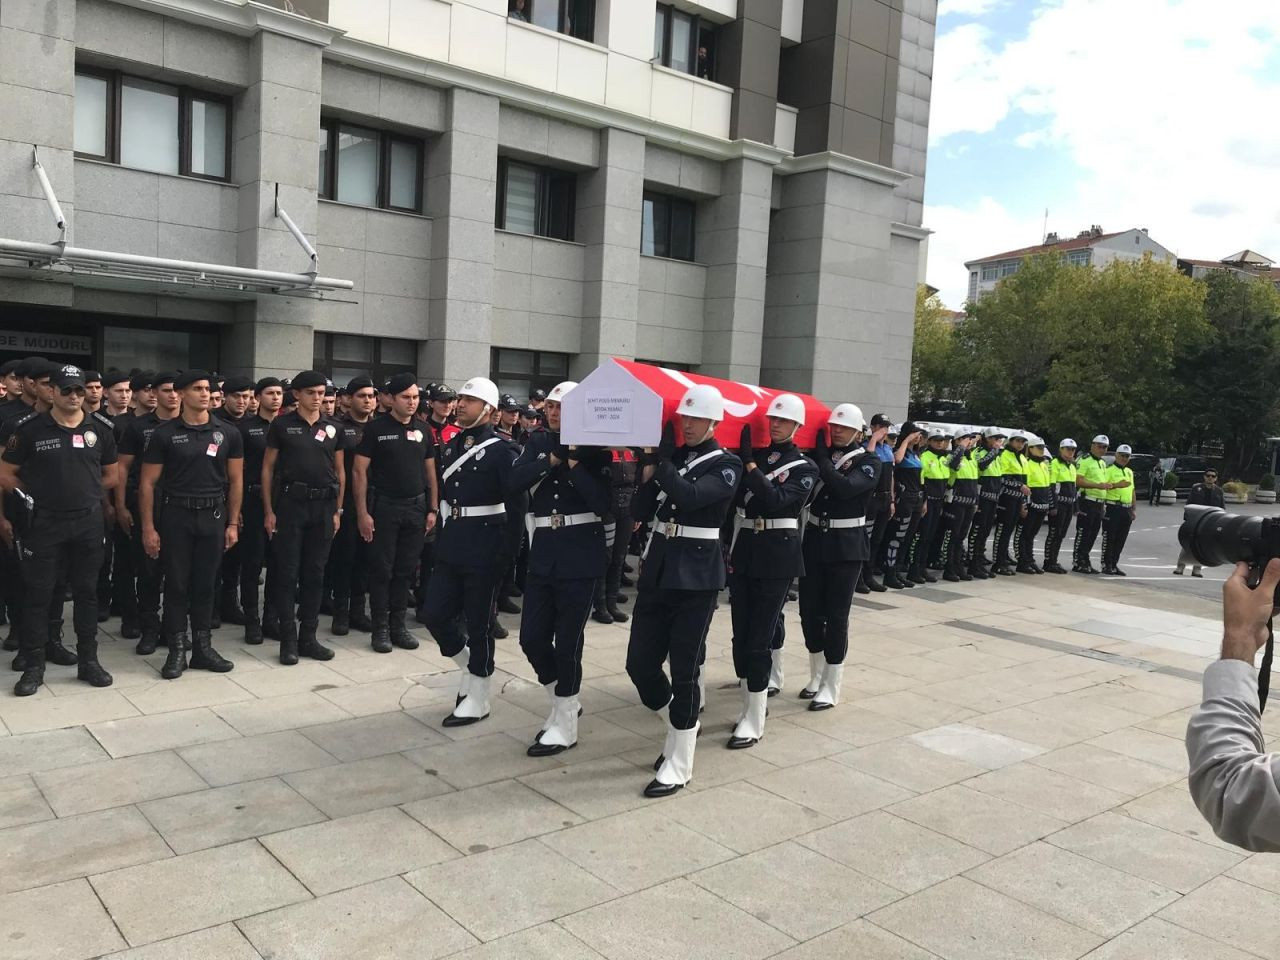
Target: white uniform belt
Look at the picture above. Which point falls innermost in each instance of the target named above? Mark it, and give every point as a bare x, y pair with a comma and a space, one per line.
674, 531
837, 523
758, 524
453, 512
558, 520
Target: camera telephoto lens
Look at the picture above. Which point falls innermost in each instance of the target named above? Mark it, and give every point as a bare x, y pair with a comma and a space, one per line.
1212, 536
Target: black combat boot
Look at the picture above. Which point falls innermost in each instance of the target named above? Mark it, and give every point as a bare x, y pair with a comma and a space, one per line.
270, 623
32, 675
600, 612
400, 636
231, 612
359, 619
341, 624
309, 646
89, 669
150, 638
611, 592
176, 660
204, 657
381, 641
54, 651
288, 633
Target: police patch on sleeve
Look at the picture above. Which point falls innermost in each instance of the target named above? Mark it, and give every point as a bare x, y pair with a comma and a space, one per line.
729, 476
807, 483
869, 471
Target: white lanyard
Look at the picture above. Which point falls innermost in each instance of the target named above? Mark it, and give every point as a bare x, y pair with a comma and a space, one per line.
839, 463
662, 495
467, 456
769, 476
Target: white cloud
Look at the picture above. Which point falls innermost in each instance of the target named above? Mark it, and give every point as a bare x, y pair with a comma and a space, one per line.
1163, 106
972, 8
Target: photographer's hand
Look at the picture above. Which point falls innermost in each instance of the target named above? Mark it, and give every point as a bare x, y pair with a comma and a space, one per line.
1245, 611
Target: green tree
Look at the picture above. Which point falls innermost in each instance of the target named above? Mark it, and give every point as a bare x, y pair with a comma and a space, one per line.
932, 354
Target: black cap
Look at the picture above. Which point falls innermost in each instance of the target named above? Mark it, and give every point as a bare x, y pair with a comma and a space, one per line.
10, 367
112, 377
359, 383
165, 376
880, 420
309, 378
538, 394
531, 413
400, 383
187, 377
66, 375
507, 403
444, 392
31, 365
236, 384
93, 376
330, 388
909, 428
143, 380
266, 382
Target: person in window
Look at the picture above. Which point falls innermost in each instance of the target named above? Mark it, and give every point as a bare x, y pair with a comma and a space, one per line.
517, 11
704, 64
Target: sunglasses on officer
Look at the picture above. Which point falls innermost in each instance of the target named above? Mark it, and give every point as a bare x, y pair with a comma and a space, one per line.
68, 391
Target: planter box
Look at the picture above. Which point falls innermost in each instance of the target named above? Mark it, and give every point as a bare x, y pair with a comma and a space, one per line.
1265, 496
1234, 498
1169, 496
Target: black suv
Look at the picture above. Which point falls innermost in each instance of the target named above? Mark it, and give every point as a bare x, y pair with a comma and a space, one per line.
1189, 468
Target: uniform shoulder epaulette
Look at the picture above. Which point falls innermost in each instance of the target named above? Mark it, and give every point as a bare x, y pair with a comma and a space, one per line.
97, 415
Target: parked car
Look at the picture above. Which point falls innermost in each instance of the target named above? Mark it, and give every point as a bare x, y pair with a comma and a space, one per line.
1190, 470
1142, 465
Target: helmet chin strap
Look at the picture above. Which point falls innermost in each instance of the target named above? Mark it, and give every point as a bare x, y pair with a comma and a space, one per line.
488, 412
711, 432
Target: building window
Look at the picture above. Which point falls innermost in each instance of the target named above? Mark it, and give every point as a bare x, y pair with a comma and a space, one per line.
1080, 258
369, 168
342, 357
684, 42
973, 285
536, 200
577, 18
520, 372
152, 126
1010, 267
991, 272
667, 227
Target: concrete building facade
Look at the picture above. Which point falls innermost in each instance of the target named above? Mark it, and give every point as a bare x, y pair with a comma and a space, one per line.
493, 186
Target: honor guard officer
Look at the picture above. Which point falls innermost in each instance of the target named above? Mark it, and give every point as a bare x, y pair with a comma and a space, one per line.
964, 484
688, 494
475, 546
394, 475
1037, 509
195, 461
835, 548
569, 493
1091, 479
1062, 483
66, 461
1013, 497
253, 535
348, 566
302, 487
1122, 510
765, 557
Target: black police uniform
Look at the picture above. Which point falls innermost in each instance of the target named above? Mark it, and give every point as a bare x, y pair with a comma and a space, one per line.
190, 513
441, 433
909, 497
106, 571
1062, 506
304, 500
879, 519
766, 553
926, 544
348, 567
567, 554
253, 535
148, 570
61, 468
961, 510
1009, 508
475, 545
688, 499
12, 411
984, 518
836, 547
622, 484
398, 457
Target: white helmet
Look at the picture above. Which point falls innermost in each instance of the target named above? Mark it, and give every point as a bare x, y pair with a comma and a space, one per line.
560, 389
992, 432
482, 388
1067, 444
939, 431
1018, 434
1035, 441
702, 400
848, 415
1103, 439
787, 406
1124, 448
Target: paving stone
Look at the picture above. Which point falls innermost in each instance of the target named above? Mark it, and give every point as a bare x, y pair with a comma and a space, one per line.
224, 942
545, 942
1047, 791
211, 818
386, 920
33, 714
56, 850
196, 890
597, 737
181, 728
252, 758
742, 816
1171, 808
975, 745
665, 921
833, 789
364, 785
849, 723
860, 940
374, 736
384, 696
982, 821
21, 802
897, 852
1231, 912
1156, 939
288, 712
1261, 870
909, 765
503, 715
299, 678
1106, 768
33, 752
962, 920
482, 818
112, 783
353, 850
470, 763
164, 696
83, 928
597, 788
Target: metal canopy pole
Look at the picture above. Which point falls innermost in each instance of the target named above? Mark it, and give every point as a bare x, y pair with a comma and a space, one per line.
50, 198
298, 235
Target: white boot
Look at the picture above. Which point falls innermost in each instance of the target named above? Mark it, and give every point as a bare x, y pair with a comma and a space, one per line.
462, 658
677, 767
829, 693
750, 727
775, 674
817, 667
551, 708
561, 732
474, 706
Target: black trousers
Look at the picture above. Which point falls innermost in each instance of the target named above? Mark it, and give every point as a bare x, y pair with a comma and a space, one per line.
229, 573
879, 519
104, 571
826, 593
149, 573
191, 548
1027, 533
1115, 532
1059, 524
1008, 516
348, 568
927, 532
253, 554
554, 616
10, 573
902, 533
1088, 523
984, 520
398, 531
756, 608
304, 531
467, 591
959, 520
426, 563
124, 577
58, 550
670, 625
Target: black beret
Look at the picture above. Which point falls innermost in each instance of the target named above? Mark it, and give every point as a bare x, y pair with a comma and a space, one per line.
10, 367
266, 382
92, 376
112, 377
34, 363
330, 388
187, 377
309, 378
165, 376
143, 380
359, 383
444, 392
236, 384
400, 383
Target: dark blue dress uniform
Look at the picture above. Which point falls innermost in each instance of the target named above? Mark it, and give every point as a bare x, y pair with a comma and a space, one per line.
836, 547
680, 575
253, 536
567, 554
475, 544
766, 553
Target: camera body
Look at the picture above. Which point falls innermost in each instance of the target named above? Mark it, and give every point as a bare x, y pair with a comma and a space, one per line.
1212, 537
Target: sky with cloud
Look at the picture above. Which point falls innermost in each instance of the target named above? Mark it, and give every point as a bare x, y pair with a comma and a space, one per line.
1125, 113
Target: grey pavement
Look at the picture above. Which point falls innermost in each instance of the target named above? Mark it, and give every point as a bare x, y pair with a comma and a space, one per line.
1004, 778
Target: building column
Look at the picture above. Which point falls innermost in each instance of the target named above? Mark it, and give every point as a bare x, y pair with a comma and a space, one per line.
609, 219
733, 241
276, 127
461, 194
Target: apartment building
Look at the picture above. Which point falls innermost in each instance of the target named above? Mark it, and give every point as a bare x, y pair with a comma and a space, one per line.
517, 187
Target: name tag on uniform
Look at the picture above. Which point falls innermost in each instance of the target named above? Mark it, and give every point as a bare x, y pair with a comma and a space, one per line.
320, 435
211, 450
77, 441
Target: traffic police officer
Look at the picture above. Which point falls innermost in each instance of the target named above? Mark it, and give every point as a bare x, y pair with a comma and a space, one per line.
302, 486
1062, 480
1122, 510
687, 493
569, 493
1013, 497
253, 535
935, 471
1038, 505
65, 461
765, 556
990, 481
348, 567
1091, 479
197, 460
476, 544
963, 481
394, 476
